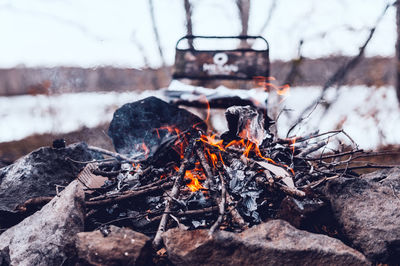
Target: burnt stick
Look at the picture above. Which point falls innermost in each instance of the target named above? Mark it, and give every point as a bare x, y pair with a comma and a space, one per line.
117, 156
131, 194
154, 184
174, 192
206, 167
221, 207
236, 217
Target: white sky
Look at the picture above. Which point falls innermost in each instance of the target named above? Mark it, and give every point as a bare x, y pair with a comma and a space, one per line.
91, 33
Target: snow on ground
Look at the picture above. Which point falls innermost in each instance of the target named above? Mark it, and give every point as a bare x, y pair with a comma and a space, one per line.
369, 115
22, 116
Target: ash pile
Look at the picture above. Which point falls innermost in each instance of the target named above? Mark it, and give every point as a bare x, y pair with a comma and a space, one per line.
175, 193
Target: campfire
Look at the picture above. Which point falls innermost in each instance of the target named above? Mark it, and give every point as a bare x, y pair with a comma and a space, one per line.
172, 180
198, 179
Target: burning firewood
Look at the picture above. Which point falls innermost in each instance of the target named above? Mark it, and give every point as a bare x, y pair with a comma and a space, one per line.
202, 180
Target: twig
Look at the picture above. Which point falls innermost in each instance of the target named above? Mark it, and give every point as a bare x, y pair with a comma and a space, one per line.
131, 194
34, 202
93, 161
152, 185
311, 149
236, 217
156, 33
221, 207
269, 17
294, 70
368, 166
291, 191
174, 192
116, 155
343, 71
334, 155
206, 166
159, 215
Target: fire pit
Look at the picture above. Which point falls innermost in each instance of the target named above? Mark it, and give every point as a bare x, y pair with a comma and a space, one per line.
194, 196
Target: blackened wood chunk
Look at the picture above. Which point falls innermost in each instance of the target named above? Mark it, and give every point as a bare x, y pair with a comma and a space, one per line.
139, 128
246, 122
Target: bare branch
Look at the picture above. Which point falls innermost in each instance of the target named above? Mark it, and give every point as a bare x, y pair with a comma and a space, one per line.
188, 16
156, 33
269, 17
342, 72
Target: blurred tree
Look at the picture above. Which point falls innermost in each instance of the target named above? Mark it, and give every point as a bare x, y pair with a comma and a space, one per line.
398, 50
156, 33
244, 13
188, 16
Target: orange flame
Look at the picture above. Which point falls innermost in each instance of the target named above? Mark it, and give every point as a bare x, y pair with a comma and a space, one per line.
212, 141
137, 166
265, 82
194, 176
293, 142
146, 150
248, 147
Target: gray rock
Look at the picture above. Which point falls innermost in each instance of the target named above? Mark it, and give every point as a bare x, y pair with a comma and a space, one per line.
368, 210
273, 243
46, 237
38, 173
120, 246
135, 124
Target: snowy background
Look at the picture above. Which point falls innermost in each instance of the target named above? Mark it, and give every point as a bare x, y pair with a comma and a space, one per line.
93, 33
90, 33
369, 115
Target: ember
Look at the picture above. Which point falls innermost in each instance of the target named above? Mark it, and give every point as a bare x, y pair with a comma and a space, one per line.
232, 181
181, 176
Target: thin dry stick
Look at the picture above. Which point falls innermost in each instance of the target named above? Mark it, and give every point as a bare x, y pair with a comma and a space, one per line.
377, 166
292, 191
311, 149
236, 217
343, 71
333, 155
152, 185
129, 195
206, 167
174, 193
159, 215
156, 33
221, 207
269, 17
116, 155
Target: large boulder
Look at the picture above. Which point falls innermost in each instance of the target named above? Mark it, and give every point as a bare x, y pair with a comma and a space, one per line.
368, 211
113, 246
38, 173
273, 243
47, 237
139, 128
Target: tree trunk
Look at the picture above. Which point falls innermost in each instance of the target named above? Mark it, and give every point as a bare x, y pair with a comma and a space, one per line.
244, 14
398, 51
189, 27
